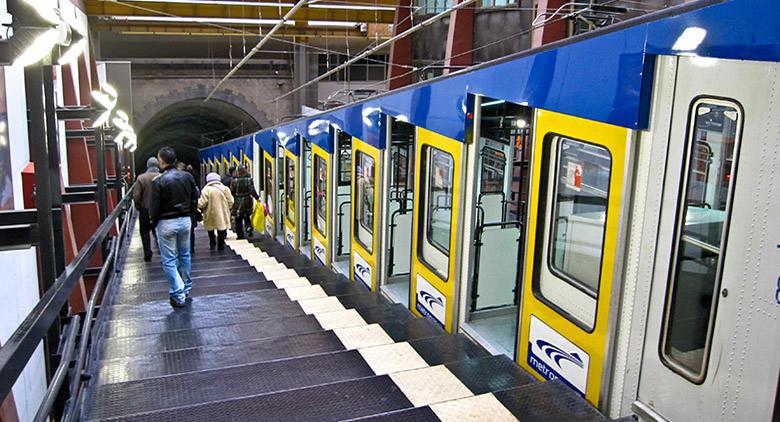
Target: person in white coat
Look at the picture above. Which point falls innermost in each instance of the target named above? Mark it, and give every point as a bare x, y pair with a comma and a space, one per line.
215, 203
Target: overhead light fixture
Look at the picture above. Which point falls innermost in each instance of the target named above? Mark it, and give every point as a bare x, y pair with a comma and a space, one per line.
39, 48
193, 19
349, 7
340, 24
73, 52
106, 98
690, 39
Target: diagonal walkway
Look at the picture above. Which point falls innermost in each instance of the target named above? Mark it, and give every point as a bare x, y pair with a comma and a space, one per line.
269, 335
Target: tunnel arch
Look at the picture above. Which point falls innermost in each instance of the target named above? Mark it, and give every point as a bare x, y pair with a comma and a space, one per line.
191, 124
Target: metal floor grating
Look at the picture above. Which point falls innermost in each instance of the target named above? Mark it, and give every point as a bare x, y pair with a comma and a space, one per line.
242, 350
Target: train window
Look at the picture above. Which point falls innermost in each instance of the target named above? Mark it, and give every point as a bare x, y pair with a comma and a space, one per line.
320, 193
436, 209
364, 197
269, 186
289, 188
701, 237
345, 159
578, 211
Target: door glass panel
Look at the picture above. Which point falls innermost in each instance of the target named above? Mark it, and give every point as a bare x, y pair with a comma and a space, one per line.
581, 193
493, 165
697, 260
364, 197
578, 213
436, 209
269, 186
289, 189
320, 193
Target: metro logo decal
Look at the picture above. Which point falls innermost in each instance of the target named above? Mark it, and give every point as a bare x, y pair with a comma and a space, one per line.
290, 235
319, 250
557, 354
429, 302
554, 357
430, 299
362, 270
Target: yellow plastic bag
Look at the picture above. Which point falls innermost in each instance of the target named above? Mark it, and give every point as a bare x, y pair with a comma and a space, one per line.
258, 218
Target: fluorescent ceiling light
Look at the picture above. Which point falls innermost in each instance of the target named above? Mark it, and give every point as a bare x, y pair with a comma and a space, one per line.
690, 39
340, 24
492, 103
348, 7
176, 19
39, 48
73, 53
217, 2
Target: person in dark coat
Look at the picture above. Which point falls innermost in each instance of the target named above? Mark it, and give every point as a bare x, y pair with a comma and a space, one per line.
174, 197
142, 195
243, 190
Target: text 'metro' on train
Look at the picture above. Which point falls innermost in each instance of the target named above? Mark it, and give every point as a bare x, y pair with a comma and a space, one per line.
604, 210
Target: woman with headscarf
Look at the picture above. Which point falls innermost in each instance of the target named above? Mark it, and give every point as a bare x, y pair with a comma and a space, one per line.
215, 203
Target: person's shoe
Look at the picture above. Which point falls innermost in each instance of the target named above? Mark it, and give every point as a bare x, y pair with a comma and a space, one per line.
148, 258
212, 247
177, 303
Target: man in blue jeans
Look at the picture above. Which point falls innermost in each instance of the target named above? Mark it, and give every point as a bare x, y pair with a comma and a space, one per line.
174, 198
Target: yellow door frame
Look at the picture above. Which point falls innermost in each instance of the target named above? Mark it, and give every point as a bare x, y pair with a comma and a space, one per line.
320, 239
364, 264
270, 226
571, 335
291, 234
439, 305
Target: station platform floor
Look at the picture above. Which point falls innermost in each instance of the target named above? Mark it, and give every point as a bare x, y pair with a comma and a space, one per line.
269, 335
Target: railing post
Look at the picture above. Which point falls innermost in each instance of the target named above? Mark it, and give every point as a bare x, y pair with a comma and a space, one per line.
33, 76
100, 183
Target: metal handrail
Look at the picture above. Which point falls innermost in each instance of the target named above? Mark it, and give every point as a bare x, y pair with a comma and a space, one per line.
340, 214
62, 371
20, 347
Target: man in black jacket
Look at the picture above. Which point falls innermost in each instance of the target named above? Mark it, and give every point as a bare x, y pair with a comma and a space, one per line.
174, 198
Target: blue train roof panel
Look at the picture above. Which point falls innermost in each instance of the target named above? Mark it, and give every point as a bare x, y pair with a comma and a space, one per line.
604, 76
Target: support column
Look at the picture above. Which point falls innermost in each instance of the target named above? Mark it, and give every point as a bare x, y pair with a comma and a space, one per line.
399, 74
550, 32
33, 79
52, 144
304, 70
460, 38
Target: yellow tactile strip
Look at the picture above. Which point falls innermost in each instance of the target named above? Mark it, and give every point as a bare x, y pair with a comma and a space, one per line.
423, 385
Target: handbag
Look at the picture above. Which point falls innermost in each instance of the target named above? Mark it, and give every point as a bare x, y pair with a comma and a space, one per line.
258, 218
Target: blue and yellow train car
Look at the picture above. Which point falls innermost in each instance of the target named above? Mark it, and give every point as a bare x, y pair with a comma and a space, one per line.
600, 209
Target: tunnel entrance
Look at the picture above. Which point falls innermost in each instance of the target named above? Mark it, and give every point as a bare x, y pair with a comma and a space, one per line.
190, 125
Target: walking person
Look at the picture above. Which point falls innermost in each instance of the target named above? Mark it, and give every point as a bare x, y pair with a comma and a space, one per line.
142, 195
216, 202
231, 174
243, 190
174, 197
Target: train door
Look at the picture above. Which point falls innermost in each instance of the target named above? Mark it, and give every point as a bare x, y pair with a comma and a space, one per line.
711, 341
366, 208
305, 197
281, 203
269, 191
436, 241
398, 200
577, 200
292, 193
342, 224
322, 221
498, 184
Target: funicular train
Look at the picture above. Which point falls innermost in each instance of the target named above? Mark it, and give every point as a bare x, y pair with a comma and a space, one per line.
602, 210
